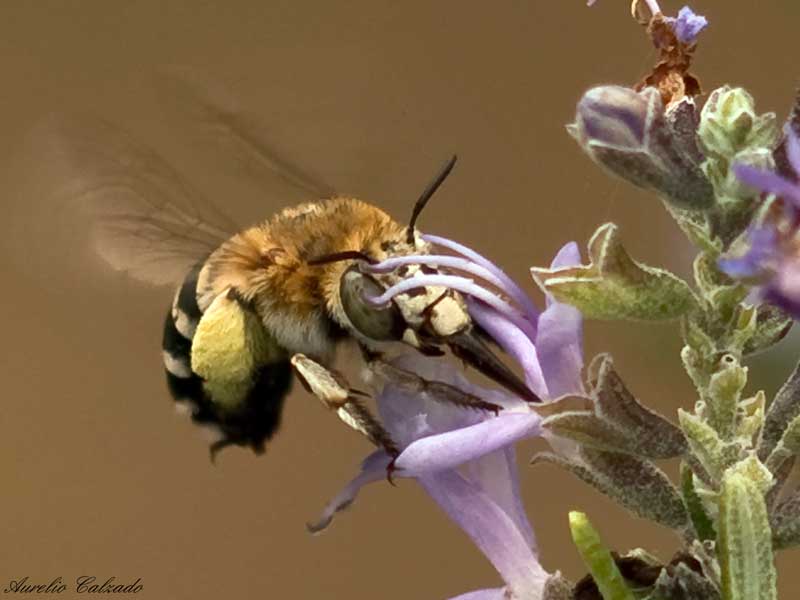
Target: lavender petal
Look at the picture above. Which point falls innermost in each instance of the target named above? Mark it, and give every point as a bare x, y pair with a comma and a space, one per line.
559, 347
490, 594
793, 149
513, 341
373, 468
497, 475
688, 25
568, 256
763, 243
490, 528
767, 181
450, 449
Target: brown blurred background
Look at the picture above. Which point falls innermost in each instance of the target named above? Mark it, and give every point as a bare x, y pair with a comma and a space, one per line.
100, 478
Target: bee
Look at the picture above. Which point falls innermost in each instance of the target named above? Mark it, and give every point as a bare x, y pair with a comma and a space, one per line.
255, 305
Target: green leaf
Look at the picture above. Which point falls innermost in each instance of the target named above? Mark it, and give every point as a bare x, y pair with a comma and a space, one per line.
785, 522
636, 484
706, 446
650, 434
745, 541
680, 582
614, 286
598, 559
784, 408
703, 525
787, 447
772, 325
616, 421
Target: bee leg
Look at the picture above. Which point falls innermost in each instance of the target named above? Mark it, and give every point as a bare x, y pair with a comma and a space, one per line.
333, 390
435, 390
215, 447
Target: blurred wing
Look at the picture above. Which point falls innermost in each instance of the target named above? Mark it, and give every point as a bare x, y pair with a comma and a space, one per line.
214, 114
142, 218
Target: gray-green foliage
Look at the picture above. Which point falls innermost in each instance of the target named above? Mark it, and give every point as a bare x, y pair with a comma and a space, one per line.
733, 506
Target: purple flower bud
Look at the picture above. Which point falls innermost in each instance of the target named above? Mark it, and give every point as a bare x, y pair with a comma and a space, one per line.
628, 133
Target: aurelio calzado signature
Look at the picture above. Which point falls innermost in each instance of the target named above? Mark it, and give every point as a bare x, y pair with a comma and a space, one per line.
85, 584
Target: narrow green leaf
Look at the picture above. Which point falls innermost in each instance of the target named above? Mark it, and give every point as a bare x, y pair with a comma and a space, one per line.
636, 484
784, 408
785, 521
703, 525
745, 542
598, 559
706, 446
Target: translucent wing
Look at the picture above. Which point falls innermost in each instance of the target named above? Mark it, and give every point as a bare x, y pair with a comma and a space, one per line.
94, 180
241, 138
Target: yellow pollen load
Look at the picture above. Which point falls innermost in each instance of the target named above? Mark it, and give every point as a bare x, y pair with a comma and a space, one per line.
229, 346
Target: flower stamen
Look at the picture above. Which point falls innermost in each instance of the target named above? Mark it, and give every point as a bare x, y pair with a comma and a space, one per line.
459, 284
509, 286
451, 262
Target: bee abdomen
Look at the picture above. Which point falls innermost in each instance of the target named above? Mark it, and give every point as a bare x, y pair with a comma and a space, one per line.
181, 322
185, 312
244, 409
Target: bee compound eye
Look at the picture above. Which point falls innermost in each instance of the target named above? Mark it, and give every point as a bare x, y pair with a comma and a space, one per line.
374, 322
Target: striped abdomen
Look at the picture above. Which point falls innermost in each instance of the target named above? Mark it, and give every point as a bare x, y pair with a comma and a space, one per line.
238, 379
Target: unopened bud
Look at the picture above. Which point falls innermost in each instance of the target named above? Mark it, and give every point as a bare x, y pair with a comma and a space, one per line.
627, 133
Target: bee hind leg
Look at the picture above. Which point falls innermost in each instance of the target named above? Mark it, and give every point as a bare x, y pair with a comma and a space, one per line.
334, 392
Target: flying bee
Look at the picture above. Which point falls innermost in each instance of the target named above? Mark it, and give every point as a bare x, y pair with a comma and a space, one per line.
275, 297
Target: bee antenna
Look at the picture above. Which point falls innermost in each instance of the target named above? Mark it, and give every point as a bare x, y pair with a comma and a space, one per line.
429, 191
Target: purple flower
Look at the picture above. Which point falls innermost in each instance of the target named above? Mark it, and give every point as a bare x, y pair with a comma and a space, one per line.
688, 25
772, 258
465, 459
769, 181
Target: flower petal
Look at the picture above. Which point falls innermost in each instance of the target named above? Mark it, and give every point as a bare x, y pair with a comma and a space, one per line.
793, 149
559, 347
409, 415
372, 469
497, 475
450, 449
688, 25
767, 181
490, 594
568, 256
784, 289
513, 341
760, 256
490, 528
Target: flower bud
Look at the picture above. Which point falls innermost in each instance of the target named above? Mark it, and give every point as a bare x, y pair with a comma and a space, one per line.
729, 123
627, 132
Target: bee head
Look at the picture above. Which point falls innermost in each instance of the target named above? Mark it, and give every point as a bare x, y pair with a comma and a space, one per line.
405, 297
393, 306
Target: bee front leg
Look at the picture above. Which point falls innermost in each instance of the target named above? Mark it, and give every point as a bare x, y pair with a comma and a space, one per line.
435, 390
332, 389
